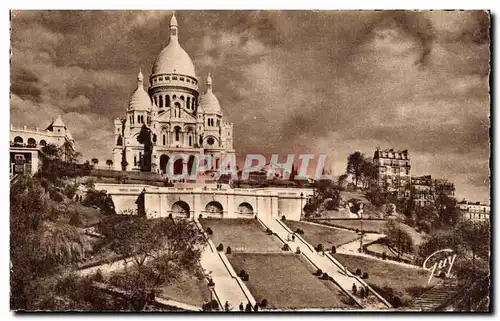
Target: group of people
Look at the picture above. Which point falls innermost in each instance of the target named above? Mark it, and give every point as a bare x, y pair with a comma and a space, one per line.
242, 308
363, 291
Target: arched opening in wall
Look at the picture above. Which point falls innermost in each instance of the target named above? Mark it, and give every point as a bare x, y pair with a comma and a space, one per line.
119, 141
163, 163
18, 139
161, 100
182, 97
31, 141
188, 102
177, 130
155, 100
190, 163
180, 208
190, 141
167, 101
178, 167
245, 208
164, 139
214, 208
43, 142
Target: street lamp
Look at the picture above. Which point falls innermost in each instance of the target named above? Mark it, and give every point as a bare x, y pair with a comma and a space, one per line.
301, 207
211, 287
361, 238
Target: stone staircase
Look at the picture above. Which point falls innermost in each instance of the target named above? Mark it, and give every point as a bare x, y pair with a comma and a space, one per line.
228, 286
435, 297
330, 265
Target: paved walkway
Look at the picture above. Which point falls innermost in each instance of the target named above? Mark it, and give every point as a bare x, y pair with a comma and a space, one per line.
327, 264
228, 286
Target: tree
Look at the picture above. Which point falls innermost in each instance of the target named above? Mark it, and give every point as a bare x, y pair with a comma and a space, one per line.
369, 173
157, 248
398, 237
101, 200
51, 151
109, 162
355, 164
95, 161
144, 138
341, 181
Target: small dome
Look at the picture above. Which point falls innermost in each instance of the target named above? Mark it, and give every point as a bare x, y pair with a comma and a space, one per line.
140, 100
209, 102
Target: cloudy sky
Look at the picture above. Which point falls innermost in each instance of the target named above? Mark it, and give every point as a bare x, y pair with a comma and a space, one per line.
327, 82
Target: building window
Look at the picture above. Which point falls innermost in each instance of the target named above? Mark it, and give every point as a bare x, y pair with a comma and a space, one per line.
161, 101
190, 141
156, 102
177, 130
182, 97
43, 142
188, 104
167, 101
164, 139
135, 160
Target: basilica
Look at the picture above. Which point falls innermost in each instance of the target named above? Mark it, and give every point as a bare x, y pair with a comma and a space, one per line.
175, 115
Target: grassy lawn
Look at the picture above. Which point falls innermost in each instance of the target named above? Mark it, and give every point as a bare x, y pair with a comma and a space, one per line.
386, 277
368, 225
315, 234
187, 289
286, 282
242, 235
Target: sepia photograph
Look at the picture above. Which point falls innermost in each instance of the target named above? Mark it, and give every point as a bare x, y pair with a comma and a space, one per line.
219, 161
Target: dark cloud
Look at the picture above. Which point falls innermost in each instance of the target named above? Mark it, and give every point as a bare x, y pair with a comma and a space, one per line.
291, 81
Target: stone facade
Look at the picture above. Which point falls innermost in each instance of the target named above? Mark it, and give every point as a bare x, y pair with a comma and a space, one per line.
26, 144
179, 119
424, 189
474, 211
394, 171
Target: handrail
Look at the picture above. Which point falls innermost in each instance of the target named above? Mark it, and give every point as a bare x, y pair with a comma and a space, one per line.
336, 283
309, 246
340, 266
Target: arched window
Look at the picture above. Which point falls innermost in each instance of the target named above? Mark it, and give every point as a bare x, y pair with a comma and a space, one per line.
138, 119
18, 139
119, 141
174, 96
188, 103
190, 141
167, 101
161, 101
182, 97
31, 141
43, 142
164, 139
177, 133
156, 102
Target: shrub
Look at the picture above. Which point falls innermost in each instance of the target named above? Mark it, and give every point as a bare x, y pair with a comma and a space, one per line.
358, 272
170, 215
319, 248
285, 247
357, 230
268, 231
263, 303
319, 272
200, 216
76, 220
209, 231
396, 302
283, 218
384, 256
211, 306
98, 277
298, 250
228, 250
220, 247
299, 231
325, 276
365, 275
245, 277
242, 273
334, 249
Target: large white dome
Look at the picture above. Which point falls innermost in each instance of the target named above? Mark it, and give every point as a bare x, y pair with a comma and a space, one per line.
173, 59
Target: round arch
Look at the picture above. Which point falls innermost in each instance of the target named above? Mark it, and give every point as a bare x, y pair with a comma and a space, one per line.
43, 142
245, 208
31, 141
18, 139
178, 165
180, 208
214, 207
163, 163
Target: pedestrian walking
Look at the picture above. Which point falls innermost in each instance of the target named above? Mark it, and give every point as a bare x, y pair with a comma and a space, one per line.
256, 307
248, 308
354, 288
293, 237
241, 307
226, 306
